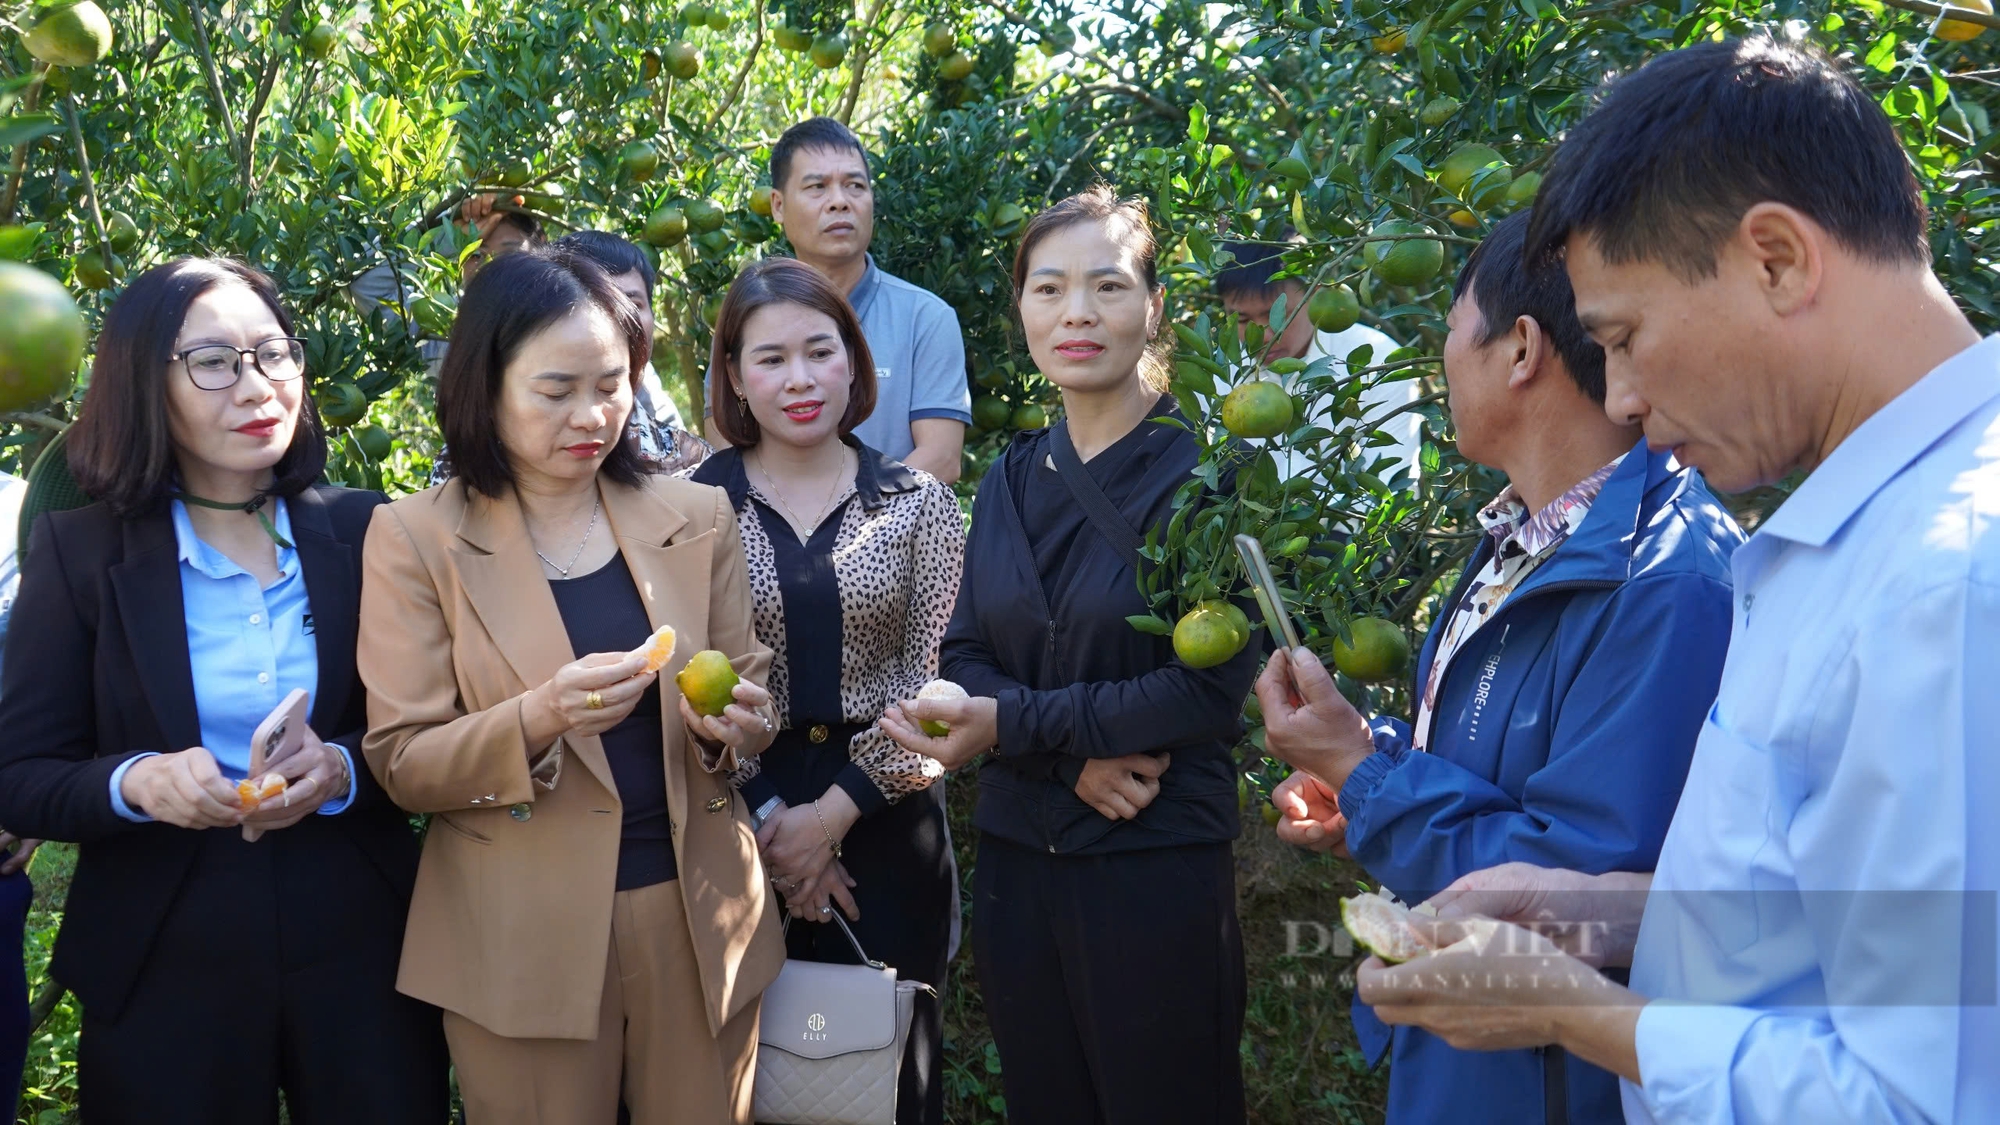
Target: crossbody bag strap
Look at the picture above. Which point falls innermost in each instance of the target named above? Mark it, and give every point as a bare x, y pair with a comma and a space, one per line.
1103, 514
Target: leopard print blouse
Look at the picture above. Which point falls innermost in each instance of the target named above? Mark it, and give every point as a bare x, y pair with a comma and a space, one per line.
897, 558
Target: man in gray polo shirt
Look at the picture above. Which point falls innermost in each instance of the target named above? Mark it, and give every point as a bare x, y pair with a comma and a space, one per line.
824, 198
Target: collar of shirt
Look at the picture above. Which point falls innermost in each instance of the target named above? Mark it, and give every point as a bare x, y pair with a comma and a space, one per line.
1884, 444
876, 477
1515, 532
212, 563
864, 290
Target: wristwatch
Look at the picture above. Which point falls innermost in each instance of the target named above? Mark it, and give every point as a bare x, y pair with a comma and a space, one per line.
764, 812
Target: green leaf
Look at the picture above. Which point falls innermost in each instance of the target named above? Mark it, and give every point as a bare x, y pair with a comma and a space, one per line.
1882, 56
24, 127
1147, 623
1197, 123
17, 243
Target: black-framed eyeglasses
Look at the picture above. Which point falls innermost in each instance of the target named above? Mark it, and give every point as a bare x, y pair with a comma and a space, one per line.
217, 367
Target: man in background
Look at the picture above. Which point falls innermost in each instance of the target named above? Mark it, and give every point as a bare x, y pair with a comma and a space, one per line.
1249, 291
664, 441
823, 197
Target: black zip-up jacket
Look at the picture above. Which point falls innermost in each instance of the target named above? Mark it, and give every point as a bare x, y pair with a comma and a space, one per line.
1040, 627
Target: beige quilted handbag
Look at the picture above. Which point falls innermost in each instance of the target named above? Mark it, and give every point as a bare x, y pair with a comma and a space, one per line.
830, 1042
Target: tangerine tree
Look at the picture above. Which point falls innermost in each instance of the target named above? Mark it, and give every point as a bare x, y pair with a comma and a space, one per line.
332, 142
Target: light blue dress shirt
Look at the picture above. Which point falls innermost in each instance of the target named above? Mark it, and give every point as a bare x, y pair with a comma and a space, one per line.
248, 647
1820, 932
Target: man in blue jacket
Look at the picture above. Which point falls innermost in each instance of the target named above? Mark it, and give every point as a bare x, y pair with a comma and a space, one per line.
1560, 691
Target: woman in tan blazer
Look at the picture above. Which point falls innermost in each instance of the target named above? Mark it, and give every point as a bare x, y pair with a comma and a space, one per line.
590, 912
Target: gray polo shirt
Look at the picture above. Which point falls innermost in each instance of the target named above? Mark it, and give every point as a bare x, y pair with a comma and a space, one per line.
919, 359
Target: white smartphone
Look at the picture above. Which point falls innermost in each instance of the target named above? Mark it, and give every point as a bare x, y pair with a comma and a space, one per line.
281, 735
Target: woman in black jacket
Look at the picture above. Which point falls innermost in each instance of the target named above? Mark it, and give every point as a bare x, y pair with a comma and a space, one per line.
1105, 920
154, 631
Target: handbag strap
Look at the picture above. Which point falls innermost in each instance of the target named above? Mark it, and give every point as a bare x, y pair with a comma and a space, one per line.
1102, 513
786, 927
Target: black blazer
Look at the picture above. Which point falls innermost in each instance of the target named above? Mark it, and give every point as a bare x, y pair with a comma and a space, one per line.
97, 670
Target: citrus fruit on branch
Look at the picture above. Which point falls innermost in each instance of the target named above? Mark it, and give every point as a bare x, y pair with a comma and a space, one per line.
42, 337
1205, 636
1257, 409
1379, 650
78, 35
1399, 256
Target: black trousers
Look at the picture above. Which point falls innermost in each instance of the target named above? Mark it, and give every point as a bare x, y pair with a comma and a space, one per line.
901, 867
274, 970
16, 895
1114, 983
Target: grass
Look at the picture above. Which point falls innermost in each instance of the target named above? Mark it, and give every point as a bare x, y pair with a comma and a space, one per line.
1299, 1058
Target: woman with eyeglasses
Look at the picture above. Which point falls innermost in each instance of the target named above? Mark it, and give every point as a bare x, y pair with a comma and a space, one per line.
154, 631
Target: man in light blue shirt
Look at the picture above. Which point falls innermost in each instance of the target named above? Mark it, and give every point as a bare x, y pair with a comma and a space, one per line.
248, 647
1818, 941
824, 198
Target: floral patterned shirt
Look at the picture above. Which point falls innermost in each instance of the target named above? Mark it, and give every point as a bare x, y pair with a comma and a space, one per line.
1522, 542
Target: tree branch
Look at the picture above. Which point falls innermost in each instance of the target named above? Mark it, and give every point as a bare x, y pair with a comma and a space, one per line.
742, 72
1963, 15
200, 21
857, 67
20, 168
44, 1005
248, 156
89, 181
35, 418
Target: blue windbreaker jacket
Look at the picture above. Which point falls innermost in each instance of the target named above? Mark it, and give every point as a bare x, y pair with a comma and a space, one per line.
1561, 737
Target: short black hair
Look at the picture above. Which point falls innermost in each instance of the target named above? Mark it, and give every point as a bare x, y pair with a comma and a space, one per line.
1674, 154
525, 223
1250, 274
613, 255
511, 299
121, 450
813, 132
1506, 285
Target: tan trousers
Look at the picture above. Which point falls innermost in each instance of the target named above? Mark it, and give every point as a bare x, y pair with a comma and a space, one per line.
652, 1043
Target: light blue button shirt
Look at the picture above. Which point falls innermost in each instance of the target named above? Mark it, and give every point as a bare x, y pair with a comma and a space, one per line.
1820, 932
248, 647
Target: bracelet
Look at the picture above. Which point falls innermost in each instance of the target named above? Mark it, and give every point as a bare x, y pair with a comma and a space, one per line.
831, 842
346, 778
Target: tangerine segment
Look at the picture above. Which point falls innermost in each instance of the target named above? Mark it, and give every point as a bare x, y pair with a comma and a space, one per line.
1382, 926
254, 792
659, 648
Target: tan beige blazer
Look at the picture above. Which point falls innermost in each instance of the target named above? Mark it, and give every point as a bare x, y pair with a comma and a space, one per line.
511, 920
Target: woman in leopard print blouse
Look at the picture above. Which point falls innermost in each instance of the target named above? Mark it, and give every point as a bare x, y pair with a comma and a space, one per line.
854, 563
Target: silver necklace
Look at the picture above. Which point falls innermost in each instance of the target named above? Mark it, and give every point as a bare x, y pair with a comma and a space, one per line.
564, 570
806, 529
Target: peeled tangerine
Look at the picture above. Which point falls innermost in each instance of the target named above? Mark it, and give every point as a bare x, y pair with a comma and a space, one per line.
254, 793
939, 689
658, 649
1382, 926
